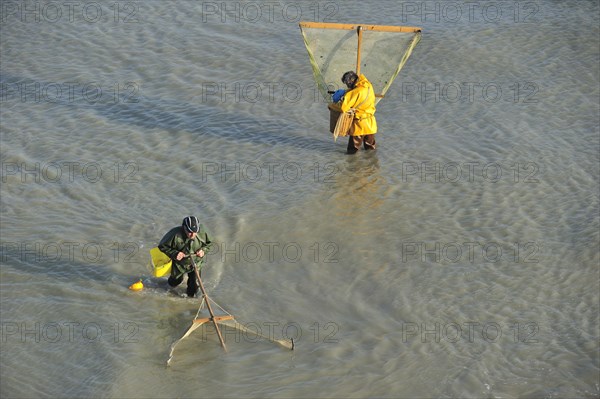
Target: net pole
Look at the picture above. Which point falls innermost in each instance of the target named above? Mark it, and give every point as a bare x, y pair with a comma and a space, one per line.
359, 32
206, 299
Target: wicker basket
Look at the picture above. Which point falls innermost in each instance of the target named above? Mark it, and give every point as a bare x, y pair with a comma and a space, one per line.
334, 114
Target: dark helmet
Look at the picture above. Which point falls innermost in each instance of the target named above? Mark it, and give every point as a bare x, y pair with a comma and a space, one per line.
191, 225
349, 79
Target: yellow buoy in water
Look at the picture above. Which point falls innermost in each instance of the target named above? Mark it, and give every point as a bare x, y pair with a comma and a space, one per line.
137, 286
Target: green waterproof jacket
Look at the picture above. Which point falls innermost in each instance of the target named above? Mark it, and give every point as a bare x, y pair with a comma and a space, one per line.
176, 241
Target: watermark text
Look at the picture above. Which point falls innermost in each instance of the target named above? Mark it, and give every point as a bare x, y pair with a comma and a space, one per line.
70, 92
69, 172
69, 11
252, 332
469, 252
268, 11
469, 172
268, 172
470, 332
470, 92
467, 11
275, 251
70, 251
68, 331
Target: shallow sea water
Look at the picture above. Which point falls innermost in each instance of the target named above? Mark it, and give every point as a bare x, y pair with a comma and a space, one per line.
458, 260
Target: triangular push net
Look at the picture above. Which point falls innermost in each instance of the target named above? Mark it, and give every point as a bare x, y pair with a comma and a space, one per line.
377, 51
226, 319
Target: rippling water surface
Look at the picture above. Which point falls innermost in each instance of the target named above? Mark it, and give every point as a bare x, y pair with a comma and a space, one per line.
459, 260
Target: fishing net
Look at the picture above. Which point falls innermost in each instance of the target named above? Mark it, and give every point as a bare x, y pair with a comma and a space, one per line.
379, 52
226, 319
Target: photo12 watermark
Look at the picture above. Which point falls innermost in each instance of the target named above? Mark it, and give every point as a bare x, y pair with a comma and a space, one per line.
263, 92
268, 172
252, 332
27, 332
470, 252
468, 11
462, 171
470, 332
65, 172
272, 252
69, 11
70, 92
519, 92
64, 252
265, 12
252, 92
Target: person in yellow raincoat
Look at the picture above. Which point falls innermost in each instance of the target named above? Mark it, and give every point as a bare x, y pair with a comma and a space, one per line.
361, 98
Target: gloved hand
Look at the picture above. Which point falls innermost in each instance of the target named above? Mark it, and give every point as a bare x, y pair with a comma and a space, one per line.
337, 96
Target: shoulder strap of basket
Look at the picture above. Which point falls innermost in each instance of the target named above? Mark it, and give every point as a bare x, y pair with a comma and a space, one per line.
363, 101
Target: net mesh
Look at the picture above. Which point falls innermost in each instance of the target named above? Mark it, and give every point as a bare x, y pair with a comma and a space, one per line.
333, 49
229, 321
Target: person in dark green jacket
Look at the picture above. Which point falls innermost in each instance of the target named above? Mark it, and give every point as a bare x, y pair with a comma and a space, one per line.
180, 244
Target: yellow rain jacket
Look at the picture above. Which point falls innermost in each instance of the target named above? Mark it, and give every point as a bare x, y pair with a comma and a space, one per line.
362, 99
